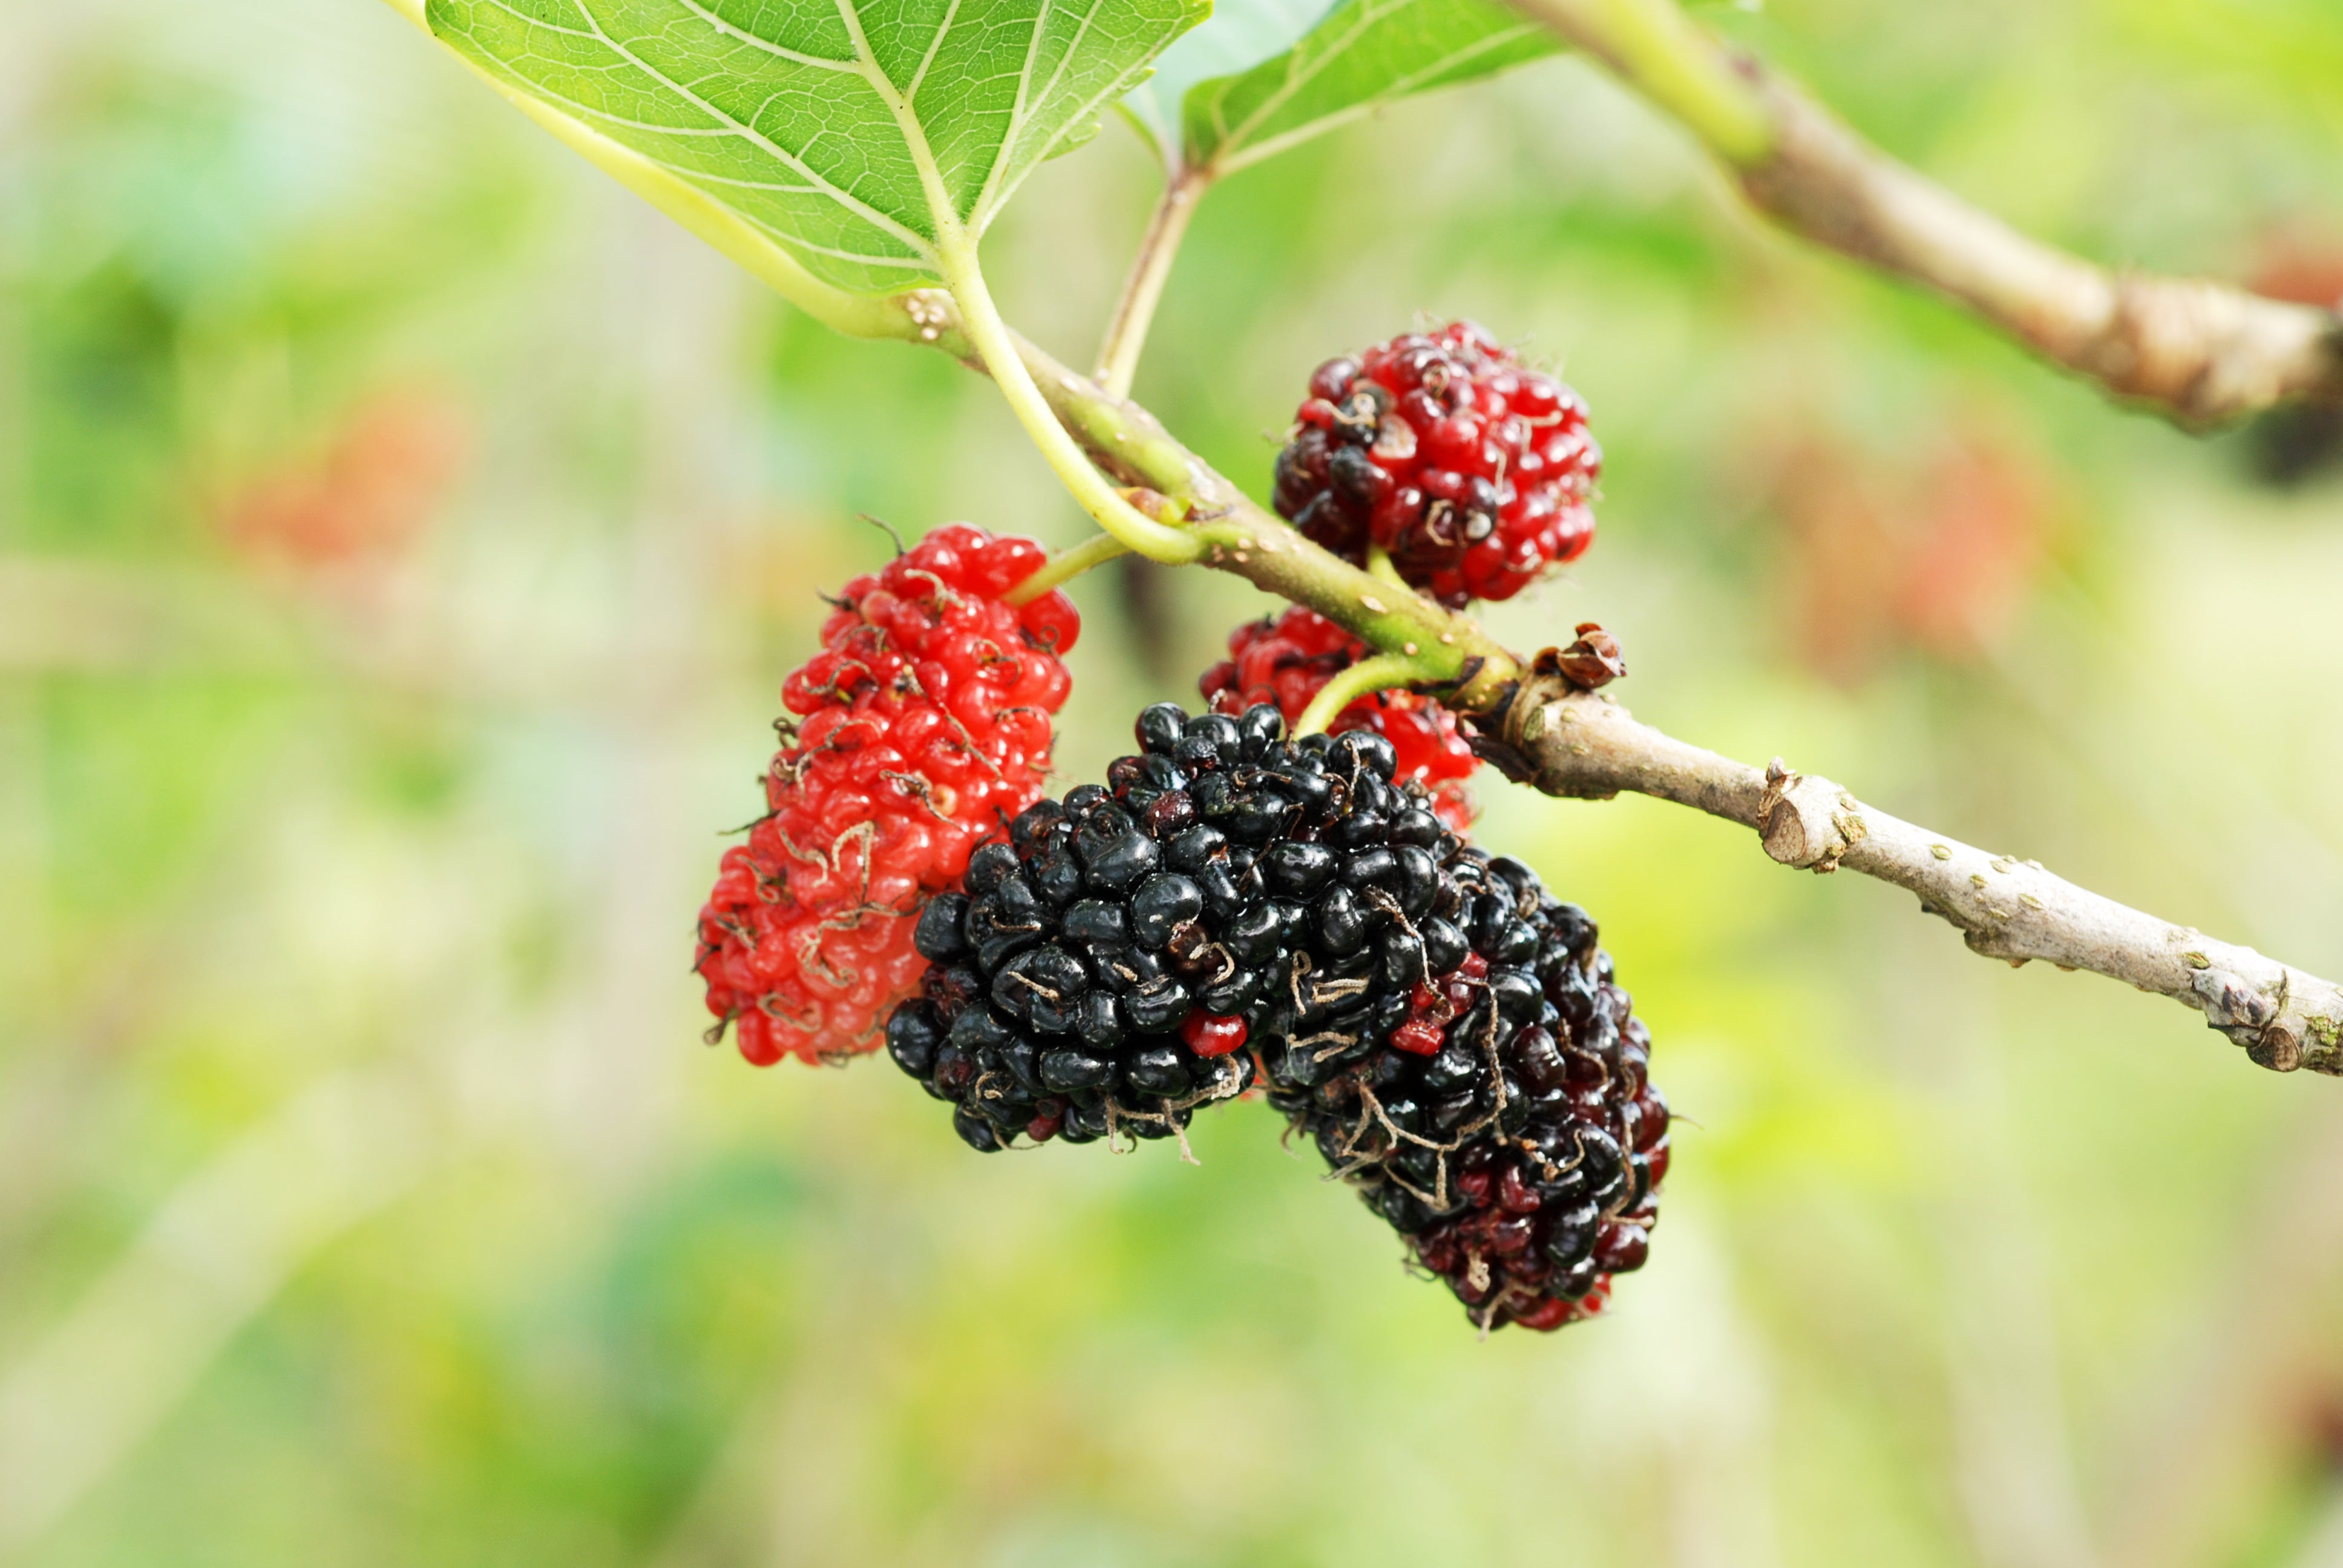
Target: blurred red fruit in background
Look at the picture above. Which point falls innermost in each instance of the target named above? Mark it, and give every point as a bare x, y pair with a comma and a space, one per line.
369, 496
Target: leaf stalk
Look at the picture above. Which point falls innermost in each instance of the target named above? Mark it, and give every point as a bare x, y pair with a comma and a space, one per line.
1150, 268
989, 335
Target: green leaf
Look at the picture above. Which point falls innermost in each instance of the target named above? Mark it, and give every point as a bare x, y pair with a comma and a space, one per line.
1365, 55
860, 134
1240, 35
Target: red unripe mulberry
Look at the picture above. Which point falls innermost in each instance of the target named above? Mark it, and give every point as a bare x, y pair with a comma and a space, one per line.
920, 729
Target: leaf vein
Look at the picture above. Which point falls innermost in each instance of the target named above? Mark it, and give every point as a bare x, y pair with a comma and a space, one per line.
768, 46
844, 198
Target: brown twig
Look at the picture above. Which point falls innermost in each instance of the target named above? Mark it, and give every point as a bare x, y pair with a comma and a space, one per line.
2197, 350
1571, 742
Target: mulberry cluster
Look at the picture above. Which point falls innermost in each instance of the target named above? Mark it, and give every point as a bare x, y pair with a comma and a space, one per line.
1473, 472
1447, 1034
1288, 659
920, 729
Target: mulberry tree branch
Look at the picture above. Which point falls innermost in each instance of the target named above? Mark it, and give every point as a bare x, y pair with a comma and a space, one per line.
1542, 727
1571, 742
2199, 351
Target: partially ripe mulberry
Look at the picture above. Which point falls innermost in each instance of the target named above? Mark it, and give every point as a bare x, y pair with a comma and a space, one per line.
1287, 659
920, 730
1473, 472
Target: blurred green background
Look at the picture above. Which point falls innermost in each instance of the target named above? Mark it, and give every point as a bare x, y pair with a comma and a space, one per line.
404, 533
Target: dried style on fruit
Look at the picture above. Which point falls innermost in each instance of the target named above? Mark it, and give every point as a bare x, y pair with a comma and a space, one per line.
1473, 472
920, 729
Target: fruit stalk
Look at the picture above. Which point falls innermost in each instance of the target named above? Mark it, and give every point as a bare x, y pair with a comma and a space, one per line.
1067, 565
1383, 670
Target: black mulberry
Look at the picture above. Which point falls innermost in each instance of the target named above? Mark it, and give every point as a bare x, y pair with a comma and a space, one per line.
1445, 1032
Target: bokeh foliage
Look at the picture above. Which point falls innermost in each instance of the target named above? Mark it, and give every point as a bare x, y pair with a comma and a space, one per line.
402, 537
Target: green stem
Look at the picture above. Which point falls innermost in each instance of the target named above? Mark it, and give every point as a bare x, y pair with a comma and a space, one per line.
1470, 670
1066, 413
1126, 338
1066, 565
1668, 55
1376, 674
1379, 564
989, 335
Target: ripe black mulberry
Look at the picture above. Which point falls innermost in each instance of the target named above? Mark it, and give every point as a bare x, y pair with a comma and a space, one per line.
1231, 905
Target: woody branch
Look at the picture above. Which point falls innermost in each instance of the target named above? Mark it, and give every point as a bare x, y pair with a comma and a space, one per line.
1569, 741
2197, 350
1539, 723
